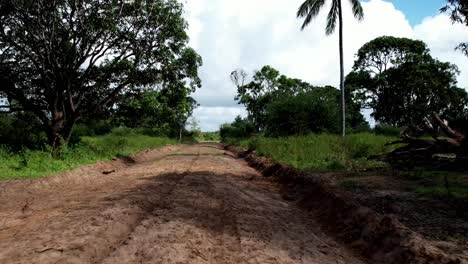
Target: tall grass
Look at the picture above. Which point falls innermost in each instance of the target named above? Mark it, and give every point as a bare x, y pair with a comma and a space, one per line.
321, 151
33, 164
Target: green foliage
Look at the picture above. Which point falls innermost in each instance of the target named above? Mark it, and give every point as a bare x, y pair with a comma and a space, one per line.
278, 105
387, 130
240, 128
93, 128
313, 111
21, 130
65, 60
311, 8
267, 85
399, 80
320, 151
209, 137
166, 110
35, 163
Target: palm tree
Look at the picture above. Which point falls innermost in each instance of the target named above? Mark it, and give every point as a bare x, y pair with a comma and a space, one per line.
310, 9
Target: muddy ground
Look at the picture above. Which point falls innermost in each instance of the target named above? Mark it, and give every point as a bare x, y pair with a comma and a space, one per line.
441, 220
182, 204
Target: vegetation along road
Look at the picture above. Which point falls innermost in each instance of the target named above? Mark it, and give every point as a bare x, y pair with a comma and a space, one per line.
178, 204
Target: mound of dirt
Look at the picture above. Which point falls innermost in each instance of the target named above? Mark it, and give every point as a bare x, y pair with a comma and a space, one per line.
381, 238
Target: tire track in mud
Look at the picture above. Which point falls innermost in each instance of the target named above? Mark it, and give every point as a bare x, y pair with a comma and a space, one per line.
197, 204
149, 208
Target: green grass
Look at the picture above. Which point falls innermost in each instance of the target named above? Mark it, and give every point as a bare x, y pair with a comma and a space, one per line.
321, 151
208, 137
33, 164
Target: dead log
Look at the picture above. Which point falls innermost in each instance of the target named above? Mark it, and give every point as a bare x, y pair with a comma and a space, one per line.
448, 147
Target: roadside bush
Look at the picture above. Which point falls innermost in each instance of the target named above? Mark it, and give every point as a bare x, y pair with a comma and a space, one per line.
314, 111
240, 128
210, 136
387, 130
21, 130
122, 131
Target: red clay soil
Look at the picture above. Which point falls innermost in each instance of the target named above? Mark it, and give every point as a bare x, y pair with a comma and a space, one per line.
182, 204
380, 238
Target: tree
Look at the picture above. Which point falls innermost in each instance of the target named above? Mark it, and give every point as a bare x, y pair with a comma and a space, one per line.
63, 60
314, 111
385, 52
266, 85
240, 128
162, 111
309, 10
458, 11
399, 80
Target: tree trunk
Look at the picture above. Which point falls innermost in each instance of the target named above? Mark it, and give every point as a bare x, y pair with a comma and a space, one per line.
60, 130
342, 88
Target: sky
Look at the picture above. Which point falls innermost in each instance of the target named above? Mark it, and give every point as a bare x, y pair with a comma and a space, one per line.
249, 34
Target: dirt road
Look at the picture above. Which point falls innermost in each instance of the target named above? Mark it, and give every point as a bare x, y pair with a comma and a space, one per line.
182, 204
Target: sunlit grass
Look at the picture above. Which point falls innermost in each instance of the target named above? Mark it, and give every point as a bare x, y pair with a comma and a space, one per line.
321, 151
33, 164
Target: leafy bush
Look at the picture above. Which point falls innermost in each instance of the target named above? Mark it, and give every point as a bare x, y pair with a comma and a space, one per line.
210, 136
21, 130
240, 128
314, 111
123, 131
387, 130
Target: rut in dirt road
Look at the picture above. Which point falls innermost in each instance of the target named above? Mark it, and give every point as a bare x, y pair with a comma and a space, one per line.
184, 204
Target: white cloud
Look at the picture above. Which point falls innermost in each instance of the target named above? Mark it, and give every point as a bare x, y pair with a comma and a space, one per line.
249, 34
210, 118
442, 37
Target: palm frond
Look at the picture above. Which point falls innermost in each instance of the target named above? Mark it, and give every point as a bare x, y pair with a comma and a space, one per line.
332, 18
309, 9
358, 12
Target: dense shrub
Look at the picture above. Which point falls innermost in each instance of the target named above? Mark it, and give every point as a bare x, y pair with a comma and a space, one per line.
240, 128
387, 130
314, 111
21, 130
210, 136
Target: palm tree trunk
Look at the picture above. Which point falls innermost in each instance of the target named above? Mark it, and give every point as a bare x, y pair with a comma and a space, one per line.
342, 88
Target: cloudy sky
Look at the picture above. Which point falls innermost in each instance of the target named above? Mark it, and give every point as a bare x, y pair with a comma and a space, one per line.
248, 34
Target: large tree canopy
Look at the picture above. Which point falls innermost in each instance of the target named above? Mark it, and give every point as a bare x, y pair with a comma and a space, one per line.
65, 59
266, 85
313, 111
279, 105
399, 80
165, 111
